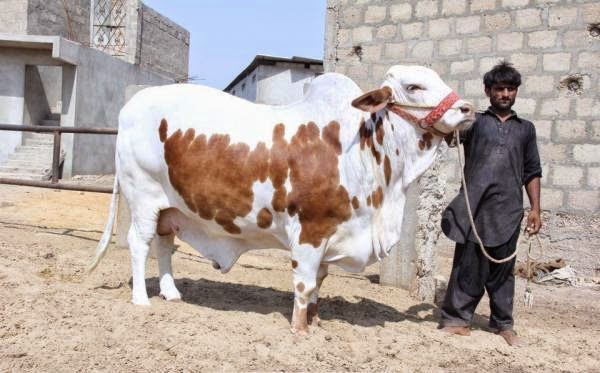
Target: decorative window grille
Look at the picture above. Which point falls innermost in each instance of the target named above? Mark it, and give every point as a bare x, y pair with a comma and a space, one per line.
108, 33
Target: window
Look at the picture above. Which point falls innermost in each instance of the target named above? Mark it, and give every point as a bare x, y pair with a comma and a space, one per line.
243, 86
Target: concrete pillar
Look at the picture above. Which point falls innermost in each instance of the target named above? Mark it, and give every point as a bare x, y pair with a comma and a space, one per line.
68, 115
12, 83
398, 269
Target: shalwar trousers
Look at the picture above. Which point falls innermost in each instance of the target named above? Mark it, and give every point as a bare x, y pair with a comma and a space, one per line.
472, 275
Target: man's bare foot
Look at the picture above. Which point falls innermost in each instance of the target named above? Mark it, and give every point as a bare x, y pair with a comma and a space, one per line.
458, 330
512, 338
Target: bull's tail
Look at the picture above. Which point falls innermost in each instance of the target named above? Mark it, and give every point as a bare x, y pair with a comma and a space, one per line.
107, 234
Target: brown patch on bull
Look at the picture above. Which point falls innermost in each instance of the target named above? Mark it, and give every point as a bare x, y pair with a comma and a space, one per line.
316, 195
300, 287
425, 141
294, 264
331, 135
214, 177
377, 197
366, 135
379, 132
376, 154
355, 203
264, 219
162, 130
387, 170
369, 200
299, 318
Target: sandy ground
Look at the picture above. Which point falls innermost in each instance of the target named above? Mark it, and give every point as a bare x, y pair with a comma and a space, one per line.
55, 319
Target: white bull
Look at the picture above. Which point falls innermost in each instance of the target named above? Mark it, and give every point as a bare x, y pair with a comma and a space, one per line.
320, 177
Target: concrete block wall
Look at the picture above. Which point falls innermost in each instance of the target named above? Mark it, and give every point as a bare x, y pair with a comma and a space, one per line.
13, 17
164, 45
49, 17
554, 43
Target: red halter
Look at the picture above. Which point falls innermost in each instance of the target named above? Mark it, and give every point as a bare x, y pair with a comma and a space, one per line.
434, 115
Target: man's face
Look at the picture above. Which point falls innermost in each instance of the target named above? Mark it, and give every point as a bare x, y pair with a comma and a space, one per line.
502, 96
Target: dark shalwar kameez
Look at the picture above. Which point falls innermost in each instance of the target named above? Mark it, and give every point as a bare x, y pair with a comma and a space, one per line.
500, 157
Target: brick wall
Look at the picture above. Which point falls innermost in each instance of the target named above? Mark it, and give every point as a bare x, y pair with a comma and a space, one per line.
13, 17
164, 45
554, 43
50, 18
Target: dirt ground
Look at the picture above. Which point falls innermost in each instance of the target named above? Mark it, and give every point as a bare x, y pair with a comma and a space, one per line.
54, 319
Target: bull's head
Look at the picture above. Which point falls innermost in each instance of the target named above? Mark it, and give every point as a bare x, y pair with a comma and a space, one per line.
418, 95
420, 109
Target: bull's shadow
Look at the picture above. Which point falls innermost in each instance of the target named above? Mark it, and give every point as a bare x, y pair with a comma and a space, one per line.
226, 296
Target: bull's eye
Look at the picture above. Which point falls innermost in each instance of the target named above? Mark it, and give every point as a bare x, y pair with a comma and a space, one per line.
413, 87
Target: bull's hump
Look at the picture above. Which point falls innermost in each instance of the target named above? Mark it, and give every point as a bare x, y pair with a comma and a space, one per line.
215, 177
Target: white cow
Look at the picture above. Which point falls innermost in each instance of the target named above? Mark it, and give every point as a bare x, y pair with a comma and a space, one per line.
320, 177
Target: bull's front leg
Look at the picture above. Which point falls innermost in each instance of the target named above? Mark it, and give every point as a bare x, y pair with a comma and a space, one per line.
313, 302
306, 261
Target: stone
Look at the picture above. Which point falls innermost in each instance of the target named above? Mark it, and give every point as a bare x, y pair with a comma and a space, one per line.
439, 28
514, 3
576, 38
345, 38
473, 87
362, 34
482, 5
375, 14
587, 107
372, 53
587, 153
401, 12
395, 51
426, 8
386, 32
497, 22
412, 30
585, 200
543, 129
591, 12
567, 175
527, 18
462, 67
551, 199
570, 130
449, 47
556, 107
422, 50
561, 16
509, 41
539, 83
468, 25
593, 179
557, 61
453, 7
552, 152
524, 62
589, 60
352, 16
595, 132
480, 44
486, 64
542, 39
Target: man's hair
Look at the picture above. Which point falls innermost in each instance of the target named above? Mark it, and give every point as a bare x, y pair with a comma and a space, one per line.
502, 73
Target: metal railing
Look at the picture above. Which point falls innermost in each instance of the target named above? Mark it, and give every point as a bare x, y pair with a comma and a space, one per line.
57, 131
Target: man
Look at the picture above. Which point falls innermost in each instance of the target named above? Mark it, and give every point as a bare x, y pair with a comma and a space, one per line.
500, 157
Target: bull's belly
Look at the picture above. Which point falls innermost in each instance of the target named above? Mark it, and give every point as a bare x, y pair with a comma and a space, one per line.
210, 240
351, 249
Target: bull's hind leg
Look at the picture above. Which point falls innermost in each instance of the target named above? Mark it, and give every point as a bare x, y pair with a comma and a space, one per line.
139, 239
164, 251
306, 261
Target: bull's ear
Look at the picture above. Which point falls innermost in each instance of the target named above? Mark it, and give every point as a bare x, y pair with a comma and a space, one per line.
373, 101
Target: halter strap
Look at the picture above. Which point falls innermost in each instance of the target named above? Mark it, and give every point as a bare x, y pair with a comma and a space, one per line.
434, 115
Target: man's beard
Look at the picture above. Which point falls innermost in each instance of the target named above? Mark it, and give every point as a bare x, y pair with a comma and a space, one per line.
502, 105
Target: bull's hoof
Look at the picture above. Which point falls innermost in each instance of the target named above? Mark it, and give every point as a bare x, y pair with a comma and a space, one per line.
140, 301
176, 298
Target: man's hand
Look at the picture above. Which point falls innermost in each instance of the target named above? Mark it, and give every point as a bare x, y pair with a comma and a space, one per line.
534, 222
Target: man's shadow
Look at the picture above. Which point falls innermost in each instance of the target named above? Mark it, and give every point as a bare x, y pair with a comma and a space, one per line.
226, 296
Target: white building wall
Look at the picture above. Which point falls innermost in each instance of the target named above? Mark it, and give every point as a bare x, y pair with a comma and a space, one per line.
247, 87
281, 85
12, 88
